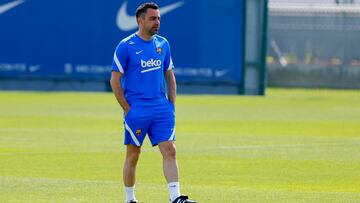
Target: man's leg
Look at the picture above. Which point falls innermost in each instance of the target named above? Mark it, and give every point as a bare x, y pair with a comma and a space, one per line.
131, 159
170, 167
171, 172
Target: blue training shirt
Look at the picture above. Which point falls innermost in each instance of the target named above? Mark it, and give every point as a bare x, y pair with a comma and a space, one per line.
143, 64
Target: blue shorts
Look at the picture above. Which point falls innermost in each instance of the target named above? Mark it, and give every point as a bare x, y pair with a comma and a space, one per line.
156, 121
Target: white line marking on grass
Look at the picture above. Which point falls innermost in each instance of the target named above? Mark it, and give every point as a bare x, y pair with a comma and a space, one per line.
51, 130
192, 149
32, 180
265, 147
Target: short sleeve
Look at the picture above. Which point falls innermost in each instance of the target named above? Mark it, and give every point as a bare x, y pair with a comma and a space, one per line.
168, 64
120, 58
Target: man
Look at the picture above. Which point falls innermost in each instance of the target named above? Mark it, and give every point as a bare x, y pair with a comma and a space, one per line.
141, 61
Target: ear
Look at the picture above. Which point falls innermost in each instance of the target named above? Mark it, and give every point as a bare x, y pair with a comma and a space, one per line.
139, 20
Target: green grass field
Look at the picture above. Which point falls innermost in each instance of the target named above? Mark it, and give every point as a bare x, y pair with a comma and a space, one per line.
290, 146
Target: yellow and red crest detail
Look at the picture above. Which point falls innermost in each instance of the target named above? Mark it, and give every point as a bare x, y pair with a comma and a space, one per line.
159, 50
138, 132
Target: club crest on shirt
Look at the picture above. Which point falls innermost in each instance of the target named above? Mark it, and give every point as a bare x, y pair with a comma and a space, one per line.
159, 50
138, 132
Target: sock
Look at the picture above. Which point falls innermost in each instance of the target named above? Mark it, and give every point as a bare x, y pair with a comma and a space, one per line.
130, 193
174, 189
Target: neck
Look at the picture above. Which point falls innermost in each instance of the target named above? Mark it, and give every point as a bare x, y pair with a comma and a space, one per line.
144, 36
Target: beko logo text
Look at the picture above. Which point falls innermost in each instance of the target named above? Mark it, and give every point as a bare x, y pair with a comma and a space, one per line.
150, 63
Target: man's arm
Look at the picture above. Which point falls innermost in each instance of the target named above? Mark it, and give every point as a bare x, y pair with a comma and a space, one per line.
118, 90
171, 85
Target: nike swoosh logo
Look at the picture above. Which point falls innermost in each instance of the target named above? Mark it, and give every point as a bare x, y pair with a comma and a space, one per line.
34, 68
220, 73
138, 52
10, 5
126, 22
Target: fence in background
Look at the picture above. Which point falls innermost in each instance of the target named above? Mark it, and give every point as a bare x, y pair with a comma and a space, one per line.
314, 45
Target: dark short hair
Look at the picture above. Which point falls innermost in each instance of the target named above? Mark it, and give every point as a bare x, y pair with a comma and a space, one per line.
143, 8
